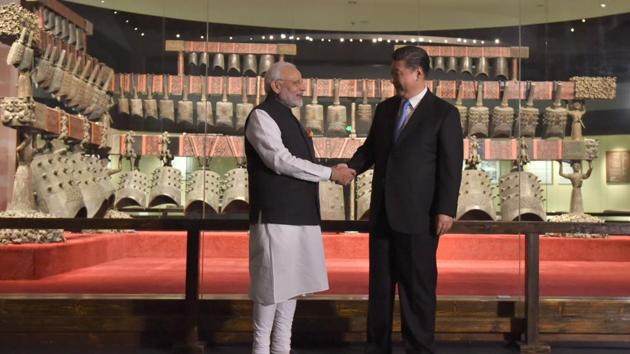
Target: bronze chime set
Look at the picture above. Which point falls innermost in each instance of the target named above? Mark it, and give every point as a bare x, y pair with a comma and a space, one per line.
63, 29
240, 64
182, 114
464, 65
68, 183
503, 122
73, 77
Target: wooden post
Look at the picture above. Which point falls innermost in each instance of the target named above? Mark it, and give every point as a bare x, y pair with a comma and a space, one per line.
532, 344
191, 344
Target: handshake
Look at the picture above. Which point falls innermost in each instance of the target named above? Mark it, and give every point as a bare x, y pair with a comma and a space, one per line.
342, 174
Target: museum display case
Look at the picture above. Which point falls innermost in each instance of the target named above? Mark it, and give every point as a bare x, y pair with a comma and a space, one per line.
137, 110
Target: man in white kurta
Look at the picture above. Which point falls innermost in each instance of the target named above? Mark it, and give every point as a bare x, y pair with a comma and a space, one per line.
286, 260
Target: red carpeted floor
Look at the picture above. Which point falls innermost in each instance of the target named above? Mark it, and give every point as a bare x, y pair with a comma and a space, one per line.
154, 263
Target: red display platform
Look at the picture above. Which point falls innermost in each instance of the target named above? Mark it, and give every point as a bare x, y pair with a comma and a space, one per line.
154, 263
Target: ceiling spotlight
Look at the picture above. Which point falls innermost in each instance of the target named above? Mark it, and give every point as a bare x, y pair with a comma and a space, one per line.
135, 28
380, 39
298, 38
341, 40
291, 37
361, 40
446, 41
142, 34
263, 37
396, 41
459, 39
583, 20
602, 5
323, 39
115, 12
230, 37
421, 39
572, 29
283, 36
389, 41
497, 41
483, 42
373, 40
177, 35
271, 37
465, 41
126, 21
430, 41
413, 40
201, 37
351, 39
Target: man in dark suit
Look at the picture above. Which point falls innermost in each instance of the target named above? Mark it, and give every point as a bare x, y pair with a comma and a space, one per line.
415, 145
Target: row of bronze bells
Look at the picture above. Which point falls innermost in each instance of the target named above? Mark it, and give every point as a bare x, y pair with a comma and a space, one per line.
522, 197
187, 116
207, 193
247, 65
184, 115
71, 184
138, 189
65, 76
465, 66
504, 123
61, 28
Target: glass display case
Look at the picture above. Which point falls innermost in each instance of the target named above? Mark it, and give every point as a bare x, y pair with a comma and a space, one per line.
115, 109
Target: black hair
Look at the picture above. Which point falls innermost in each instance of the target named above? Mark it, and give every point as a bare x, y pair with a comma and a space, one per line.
414, 57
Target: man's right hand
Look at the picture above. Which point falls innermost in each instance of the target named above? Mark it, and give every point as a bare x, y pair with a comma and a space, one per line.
342, 174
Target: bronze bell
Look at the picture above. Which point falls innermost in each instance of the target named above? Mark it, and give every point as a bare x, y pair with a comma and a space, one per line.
331, 201
192, 59
203, 193
249, 64
165, 186
475, 197
204, 60
501, 69
218, 62
466, 67
438, 64
235, 195
265, 63
482, 67
234, 63
451, 66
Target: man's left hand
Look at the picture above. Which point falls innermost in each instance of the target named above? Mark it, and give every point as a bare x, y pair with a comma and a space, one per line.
444, 223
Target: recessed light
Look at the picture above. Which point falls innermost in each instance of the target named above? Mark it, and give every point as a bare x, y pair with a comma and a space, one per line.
271, 37
283, 36
572, 29
602, 5
177, 35
135, 28
583, 20
497, 41
142, 34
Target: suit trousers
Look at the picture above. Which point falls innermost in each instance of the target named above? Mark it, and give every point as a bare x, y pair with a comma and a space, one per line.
409, 261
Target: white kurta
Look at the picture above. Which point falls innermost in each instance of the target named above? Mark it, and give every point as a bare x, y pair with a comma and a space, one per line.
285, 261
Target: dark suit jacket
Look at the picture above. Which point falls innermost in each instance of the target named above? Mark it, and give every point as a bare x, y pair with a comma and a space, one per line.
418, 176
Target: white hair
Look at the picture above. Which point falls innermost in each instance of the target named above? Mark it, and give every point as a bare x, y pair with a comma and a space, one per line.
274, 73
